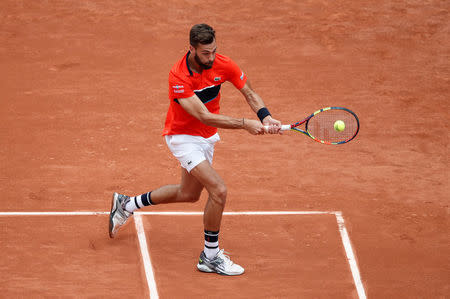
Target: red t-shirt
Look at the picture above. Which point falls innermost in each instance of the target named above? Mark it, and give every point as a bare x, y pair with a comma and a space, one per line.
184, 83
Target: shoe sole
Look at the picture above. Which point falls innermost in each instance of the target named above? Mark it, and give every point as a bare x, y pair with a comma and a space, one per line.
206, 269
113, 209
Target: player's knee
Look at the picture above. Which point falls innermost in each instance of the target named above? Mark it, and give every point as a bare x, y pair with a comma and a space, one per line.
219, 194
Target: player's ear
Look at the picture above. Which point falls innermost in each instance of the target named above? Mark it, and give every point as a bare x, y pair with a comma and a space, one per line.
191, 49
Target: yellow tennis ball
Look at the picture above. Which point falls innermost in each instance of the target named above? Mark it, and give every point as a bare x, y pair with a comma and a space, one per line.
339, 125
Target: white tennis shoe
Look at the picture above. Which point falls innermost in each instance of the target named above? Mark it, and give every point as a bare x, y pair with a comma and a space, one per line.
220, 264
118, 215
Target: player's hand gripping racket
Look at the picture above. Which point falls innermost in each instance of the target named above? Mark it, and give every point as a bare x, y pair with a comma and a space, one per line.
331, 125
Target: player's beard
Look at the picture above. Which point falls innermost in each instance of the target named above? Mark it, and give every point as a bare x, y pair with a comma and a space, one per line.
201, 64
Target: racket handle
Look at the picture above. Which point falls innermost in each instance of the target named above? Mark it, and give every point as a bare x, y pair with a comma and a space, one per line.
283, 127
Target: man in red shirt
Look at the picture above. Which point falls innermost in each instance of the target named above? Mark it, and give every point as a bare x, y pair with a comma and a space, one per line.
191, 132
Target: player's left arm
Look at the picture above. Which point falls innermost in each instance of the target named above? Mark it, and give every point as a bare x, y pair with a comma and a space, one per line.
257, 105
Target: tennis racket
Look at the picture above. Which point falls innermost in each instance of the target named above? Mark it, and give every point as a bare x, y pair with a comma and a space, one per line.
323, 125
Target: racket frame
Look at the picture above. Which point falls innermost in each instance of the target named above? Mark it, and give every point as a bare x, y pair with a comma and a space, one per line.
294, 127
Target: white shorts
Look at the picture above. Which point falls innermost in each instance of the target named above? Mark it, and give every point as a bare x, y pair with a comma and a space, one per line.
192, 150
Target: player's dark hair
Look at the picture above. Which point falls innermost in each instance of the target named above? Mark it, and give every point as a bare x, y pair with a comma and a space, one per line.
201, 34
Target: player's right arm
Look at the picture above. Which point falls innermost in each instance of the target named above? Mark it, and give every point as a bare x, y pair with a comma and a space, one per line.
194, 106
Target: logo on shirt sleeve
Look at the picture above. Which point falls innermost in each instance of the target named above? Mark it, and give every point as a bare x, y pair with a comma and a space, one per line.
242, 76
178, 88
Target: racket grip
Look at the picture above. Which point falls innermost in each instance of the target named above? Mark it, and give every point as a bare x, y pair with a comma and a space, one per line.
283, 127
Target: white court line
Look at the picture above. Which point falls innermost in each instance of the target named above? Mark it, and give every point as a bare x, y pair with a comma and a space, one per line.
278, 213
144, 248
350, 256
173, 213
52, 213
146, 257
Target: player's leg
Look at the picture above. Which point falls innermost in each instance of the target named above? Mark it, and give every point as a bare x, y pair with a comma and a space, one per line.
190, 151
217, 191
188, 190
122, 206
211, 258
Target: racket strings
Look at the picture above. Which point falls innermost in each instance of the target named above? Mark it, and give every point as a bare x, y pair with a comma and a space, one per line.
321, 126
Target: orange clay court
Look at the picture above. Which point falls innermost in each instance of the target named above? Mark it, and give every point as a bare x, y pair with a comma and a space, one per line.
83, 102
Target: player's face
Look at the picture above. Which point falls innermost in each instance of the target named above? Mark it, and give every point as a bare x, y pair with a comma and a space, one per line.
205, 54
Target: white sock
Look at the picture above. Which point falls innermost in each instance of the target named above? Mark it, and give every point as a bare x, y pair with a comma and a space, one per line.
211, 244
137, 202
131, 205
211, 252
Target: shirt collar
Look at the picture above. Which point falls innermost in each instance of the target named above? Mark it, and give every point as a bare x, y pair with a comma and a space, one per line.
187, 64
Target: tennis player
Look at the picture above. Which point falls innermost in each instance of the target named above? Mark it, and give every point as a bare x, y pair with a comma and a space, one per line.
191, 133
